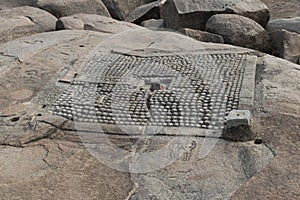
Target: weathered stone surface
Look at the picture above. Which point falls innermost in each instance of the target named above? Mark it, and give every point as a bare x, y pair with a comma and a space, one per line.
16, 3
292, 25
194, 14
59, 168
286, 45
239, 126
202, 36
153, 23
94, 23
60, 8
120, 9
144, 12
240, 31
23, 21
278, 9
279, 124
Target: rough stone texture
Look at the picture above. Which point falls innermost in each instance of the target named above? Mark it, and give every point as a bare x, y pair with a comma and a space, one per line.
279, 116
120, 9
240, 31
239, 126
194, 14
292, 25
94, 23
286, 45
144, 12
283, 9
4, 4
60, 8
48, 169
42, 161
153, 23
202, 36
23, 21
58, 170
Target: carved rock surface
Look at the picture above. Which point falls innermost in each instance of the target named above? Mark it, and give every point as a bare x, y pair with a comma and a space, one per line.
240, 31
40, 159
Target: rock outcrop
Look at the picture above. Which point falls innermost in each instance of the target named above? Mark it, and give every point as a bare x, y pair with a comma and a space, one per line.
144, 12
94, 23
286, 45
292, 25
280, 9
202, 36
60, 8
24, 21
52, 159
4, 4
240, 31
153, 23
111, 110
194, 14
120, 9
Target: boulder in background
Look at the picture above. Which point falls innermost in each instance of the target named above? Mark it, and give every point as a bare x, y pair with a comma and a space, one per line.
292, 24
202, 36
194, 13
153, 23
61, 8
24, 21
286, 45
240, 31
94, 23
119, 9
144, 12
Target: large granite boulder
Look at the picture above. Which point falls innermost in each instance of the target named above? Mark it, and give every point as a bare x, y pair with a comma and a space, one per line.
144, 12
61, 8
24, 21
202, 36
292, 24
120, 9
283, 9
194, 13
94, 23
286, 45
4, 4
240, 31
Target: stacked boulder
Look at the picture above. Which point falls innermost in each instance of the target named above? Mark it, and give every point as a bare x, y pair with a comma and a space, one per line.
94, 23
121, 9
60, 8
239, 31
239, 23
24, 21
243, 23
194, 13
285, 35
